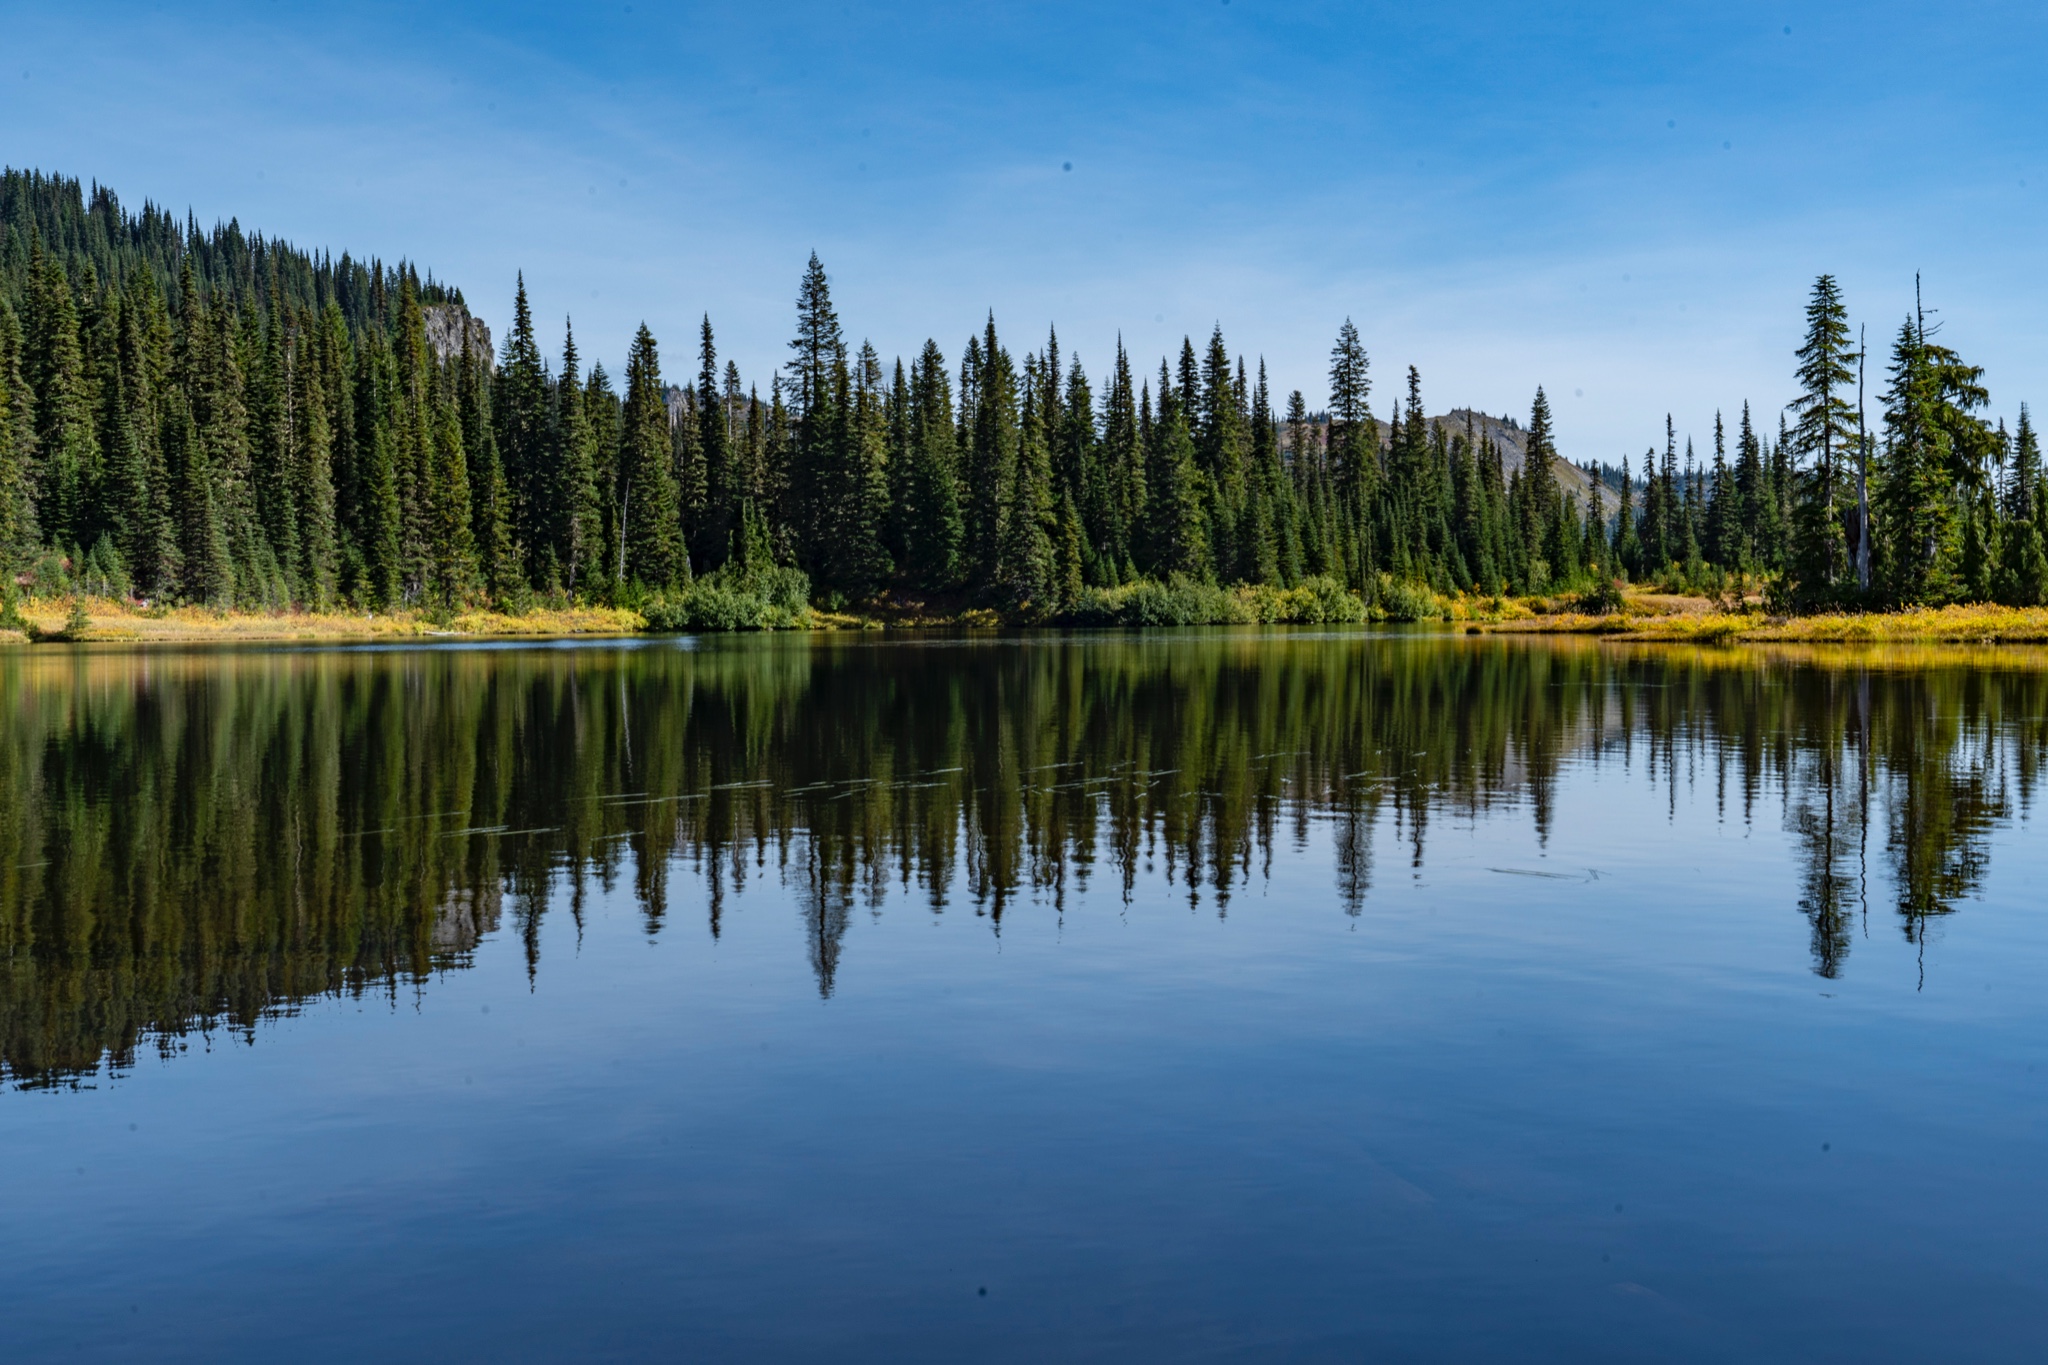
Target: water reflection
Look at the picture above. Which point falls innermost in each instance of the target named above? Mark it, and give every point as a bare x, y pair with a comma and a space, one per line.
194, 841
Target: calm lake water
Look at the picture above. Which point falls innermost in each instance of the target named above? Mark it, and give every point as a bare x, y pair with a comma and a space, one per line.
1200, 996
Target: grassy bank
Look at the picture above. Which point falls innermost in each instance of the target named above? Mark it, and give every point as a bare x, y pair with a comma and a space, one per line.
91, 619
1979, 624
1639, 616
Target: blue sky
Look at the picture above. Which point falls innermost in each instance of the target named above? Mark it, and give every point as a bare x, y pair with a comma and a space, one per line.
1624, 203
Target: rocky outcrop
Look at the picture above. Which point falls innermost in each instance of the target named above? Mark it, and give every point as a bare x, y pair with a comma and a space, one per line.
450, 327
1513, 441
677, 401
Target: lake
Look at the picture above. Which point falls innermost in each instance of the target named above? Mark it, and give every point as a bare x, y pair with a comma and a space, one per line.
1207, 995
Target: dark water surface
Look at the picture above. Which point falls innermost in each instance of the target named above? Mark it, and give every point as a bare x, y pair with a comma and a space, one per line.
1204, 996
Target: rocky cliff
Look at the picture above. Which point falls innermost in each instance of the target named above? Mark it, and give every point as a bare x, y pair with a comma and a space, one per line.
450, 327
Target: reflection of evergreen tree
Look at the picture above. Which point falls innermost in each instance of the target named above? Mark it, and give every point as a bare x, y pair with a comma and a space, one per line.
1826, 816
427, 798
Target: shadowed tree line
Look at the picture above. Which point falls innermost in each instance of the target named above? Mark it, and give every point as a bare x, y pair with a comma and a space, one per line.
193, 841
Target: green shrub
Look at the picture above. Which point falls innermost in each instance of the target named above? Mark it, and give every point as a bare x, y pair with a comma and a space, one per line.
1148, 602
1324, 601
1400, 600
50, 576
10, 605
731, 598
1602, 600
1184, 602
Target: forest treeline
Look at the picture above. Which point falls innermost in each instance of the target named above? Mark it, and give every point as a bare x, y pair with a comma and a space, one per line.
220, 418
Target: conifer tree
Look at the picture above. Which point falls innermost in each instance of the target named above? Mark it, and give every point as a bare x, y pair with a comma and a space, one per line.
647, 489
206, 574
1915, 507
451, 545
1656, 530
715, 435
315, 530
521, 421
1122, 513
579, 527
1180, 541
1067, 551
135, 498
1690, 515
18, 531
858, 560
1078, 469
380, 526
1024, 563
1222, 445
2023, 576
67, 452
818, 387
1468, 513
1269, 525
1353, 437
991, 457
257, 582
1935, 517
1720, 534
935, 528
417, 462
337, 558
686, 462
1753, 520
1545, 504
1784, 480
902, 467
274, 455
500, 562
603, 414
1824, 435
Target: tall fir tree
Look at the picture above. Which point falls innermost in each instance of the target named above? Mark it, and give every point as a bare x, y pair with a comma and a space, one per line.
18, 530
1825, 436
935, 530
715, 399
1024, 562
1179, 534
2023, 568
578, 530
521, 421
67, 451
991, 455
651, 530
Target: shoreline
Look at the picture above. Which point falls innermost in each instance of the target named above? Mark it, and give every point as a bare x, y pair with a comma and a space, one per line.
1976, 624
111, 622
1668, 621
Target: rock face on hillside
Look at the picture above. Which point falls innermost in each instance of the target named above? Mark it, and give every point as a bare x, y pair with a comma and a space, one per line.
450, 326
676, 400
1513, 441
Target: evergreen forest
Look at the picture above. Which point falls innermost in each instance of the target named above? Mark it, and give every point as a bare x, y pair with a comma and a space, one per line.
214, 417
